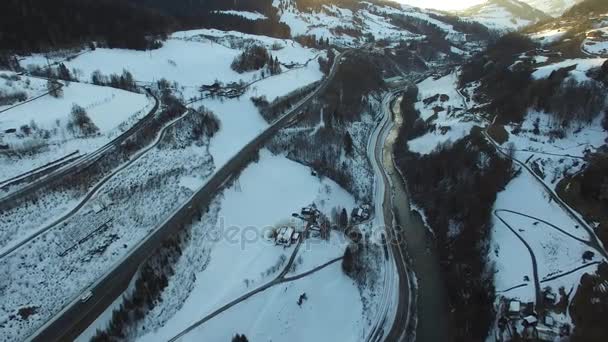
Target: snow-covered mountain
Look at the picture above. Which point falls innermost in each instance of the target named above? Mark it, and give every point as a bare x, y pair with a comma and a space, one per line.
554, 8
504, 14
345, 21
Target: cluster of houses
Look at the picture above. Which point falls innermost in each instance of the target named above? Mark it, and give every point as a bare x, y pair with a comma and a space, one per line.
288, 235
315, 224
361, 213
521, 321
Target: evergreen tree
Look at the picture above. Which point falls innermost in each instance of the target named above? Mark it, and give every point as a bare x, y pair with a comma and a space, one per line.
63, 73
54, 89
240, 338
348, 261
348, 144
343, 219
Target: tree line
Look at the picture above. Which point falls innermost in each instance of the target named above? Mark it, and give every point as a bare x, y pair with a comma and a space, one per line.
40, 25
256, 57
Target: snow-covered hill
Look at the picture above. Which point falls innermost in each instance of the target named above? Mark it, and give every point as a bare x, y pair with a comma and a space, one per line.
349, 22
553, 8
504, 15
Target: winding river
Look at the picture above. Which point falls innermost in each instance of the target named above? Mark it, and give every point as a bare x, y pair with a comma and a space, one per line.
432, 311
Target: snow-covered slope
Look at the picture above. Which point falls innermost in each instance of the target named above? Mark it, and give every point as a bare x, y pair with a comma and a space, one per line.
504, 14
554, 8
358, 21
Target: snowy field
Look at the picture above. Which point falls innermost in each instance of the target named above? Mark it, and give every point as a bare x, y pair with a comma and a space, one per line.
554, 157
596, 42
496, 17
413, 12
11, 83
512, 260
240, 122
549, 36
445, 111
111, 110
331, 312
556, 239
582, 66
264, 197
194, 58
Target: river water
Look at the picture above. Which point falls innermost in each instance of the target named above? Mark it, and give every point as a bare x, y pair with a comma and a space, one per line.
432, 311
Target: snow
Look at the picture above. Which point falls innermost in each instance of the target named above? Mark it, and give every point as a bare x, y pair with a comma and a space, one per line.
62, 262
552, 7
499, 18
524, 195
11, 83
326, 23
446, 117
596, 42
582, 66
266, 194
191, 182
107, 107
240, 123
111, 110
549, 36
287, 82
555, 158
245, 14
315, 252
331, 312
211, 56
555, 252
191, 58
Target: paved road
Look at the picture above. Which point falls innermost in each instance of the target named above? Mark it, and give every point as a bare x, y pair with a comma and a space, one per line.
77, 316
11, 199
